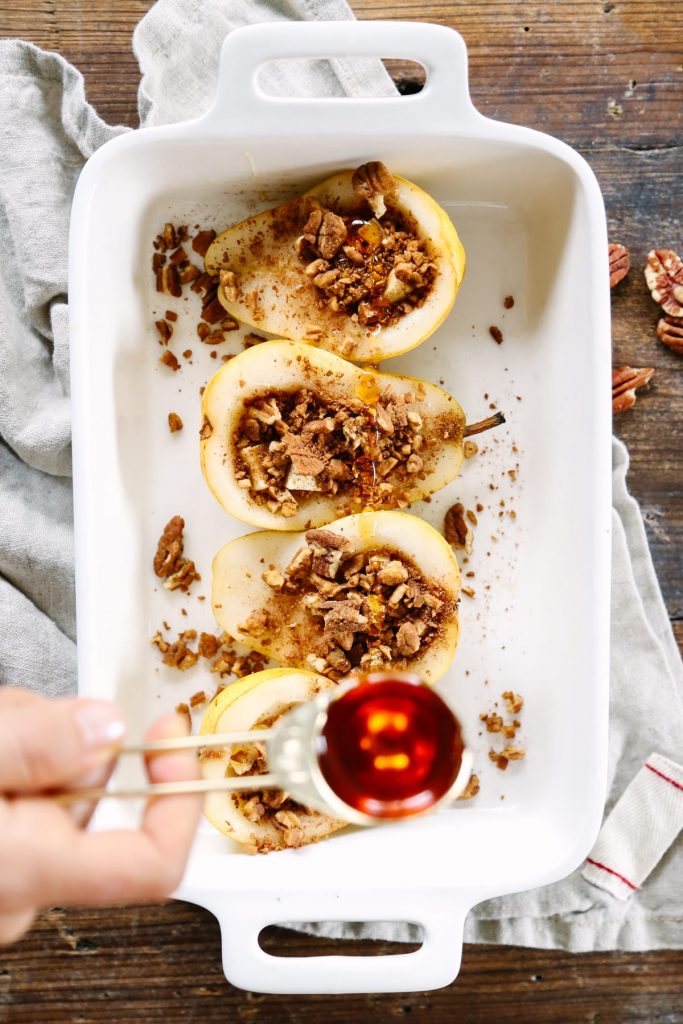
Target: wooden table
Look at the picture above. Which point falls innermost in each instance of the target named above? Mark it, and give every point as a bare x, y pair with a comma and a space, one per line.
607, 79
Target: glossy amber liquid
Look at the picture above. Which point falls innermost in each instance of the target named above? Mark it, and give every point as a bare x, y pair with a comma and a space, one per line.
390, 747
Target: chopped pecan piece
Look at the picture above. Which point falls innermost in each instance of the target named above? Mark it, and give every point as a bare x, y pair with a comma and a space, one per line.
326, 539
408, 639
253, 809
325, 232
619, 263
169, 564
228, 282
373, 181
258, 624
514, 701
471, 789
168, 359
496, 334
183, 710
493, 722
208, 646
168, 281
457, 530
174, 422
202, 240
670, 332
290, 825
625, 381
664, 277
392, 573
170, 547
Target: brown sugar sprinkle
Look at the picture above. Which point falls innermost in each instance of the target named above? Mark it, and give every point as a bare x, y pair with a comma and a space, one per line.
169, 564
292, 444
169, 360
198, 698
365, 610
508, 302
496, 334
174, 422
471, 789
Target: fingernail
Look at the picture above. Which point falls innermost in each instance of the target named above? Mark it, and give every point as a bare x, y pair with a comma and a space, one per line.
100, 724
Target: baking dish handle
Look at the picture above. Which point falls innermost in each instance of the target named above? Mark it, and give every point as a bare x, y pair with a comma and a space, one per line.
245, 109
242, 917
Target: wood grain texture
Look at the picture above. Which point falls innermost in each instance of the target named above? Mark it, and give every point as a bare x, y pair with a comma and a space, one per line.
608, 79
161, 963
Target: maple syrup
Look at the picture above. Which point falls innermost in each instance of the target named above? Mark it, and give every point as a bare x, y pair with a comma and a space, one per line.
391, 747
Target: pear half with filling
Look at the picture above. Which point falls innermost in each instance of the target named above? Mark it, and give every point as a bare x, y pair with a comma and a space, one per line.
373, 591
263, 820
365, 264
295, 437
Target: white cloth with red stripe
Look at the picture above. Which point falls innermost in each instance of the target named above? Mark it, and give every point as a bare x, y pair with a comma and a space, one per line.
43, 110
651, 812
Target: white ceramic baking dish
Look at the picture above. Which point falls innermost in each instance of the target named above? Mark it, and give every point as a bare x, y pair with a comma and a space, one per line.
531, 217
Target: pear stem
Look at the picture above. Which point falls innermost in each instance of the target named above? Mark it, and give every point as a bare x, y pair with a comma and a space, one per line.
482, 425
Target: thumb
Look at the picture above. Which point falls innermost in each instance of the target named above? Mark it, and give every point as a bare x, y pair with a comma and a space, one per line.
48, 742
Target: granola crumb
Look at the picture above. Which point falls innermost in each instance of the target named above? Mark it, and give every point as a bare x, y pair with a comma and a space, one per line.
174, 422
470, 449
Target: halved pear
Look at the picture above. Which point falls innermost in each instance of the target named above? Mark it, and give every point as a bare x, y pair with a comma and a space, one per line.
369, 440
365, 264
371, 591
256, 702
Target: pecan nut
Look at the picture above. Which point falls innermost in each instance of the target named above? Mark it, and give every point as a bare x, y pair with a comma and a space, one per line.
325, 232
670, 332
625, 381
373, 181
457, 530
619, 263
664, 277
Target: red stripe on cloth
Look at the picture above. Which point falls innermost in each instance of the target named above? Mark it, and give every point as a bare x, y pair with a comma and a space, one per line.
665, 777
603, 867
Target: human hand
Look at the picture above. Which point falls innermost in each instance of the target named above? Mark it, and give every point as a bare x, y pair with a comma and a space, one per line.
46, 857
